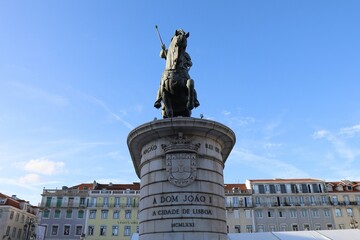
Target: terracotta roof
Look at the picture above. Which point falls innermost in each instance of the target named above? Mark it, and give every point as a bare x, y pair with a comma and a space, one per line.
134, 186
240, 186
83, 186
288, 180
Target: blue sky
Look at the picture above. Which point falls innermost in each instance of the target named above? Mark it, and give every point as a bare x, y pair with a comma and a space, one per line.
77, 76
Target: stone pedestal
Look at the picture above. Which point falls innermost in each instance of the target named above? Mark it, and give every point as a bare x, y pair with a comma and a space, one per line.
180, 164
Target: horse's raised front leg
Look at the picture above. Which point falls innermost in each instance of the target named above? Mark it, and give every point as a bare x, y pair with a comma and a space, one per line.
190, 88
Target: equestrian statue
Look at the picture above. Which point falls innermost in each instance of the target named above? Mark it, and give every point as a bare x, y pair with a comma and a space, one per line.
176, 95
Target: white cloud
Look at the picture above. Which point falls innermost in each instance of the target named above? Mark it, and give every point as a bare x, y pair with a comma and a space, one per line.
226, 113
350, 131
320, 134
101, 104
272, 145
30, 179
44, 166
339, 145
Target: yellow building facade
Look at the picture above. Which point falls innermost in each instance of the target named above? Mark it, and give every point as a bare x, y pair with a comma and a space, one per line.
112, 214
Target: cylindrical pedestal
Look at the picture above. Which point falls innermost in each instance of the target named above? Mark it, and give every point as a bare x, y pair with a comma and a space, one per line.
180, 164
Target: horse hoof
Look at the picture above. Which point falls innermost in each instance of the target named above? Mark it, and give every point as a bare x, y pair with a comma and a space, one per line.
157, 104
196, 104
190, 106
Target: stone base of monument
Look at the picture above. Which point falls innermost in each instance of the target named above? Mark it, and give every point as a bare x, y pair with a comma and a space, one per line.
180, 164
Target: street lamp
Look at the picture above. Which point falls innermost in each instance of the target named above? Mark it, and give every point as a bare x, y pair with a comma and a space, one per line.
29, 228
353, 223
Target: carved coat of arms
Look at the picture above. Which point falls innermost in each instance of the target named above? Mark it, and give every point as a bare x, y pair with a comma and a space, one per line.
181, 163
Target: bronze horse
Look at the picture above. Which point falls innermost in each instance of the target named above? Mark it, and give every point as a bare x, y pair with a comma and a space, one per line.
176, 91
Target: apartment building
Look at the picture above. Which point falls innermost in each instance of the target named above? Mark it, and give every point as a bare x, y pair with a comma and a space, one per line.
113, 211
90, 211
239, 208
17, 218
290, 205
345, 199
63, 211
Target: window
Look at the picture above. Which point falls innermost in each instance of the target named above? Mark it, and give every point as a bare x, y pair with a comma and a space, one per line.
78, 230
303, 212
48, 201
329, 226
116, 214
127, 231
115, 230
68, 213
258, 213
8, 230
106, 202
248, 214
90, 230
13, 234
1, 213
117, 201
282, 213
346, 199
282, 188
22, 218
93, 202
59, 201
341, 226
127, 214
326, 212
271, 213
92, 214
102, 230
57, 214
349, 212
46, 213
104, 214
80, 214
283, 227
66, 230
19, 233
257, 201
317, 226
128, 201
272, 188
236, 214
249, 228
315, 213
334, 200
260, 228
293, 213
272, 228
12, 215
324, 199
54, 230
261, 188
338, 212
237, 228
82, 201
236, 201
17, 217
358, 200
306, 227
295, 227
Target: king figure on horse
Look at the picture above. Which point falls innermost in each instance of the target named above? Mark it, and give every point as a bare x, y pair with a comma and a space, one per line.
176, 94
